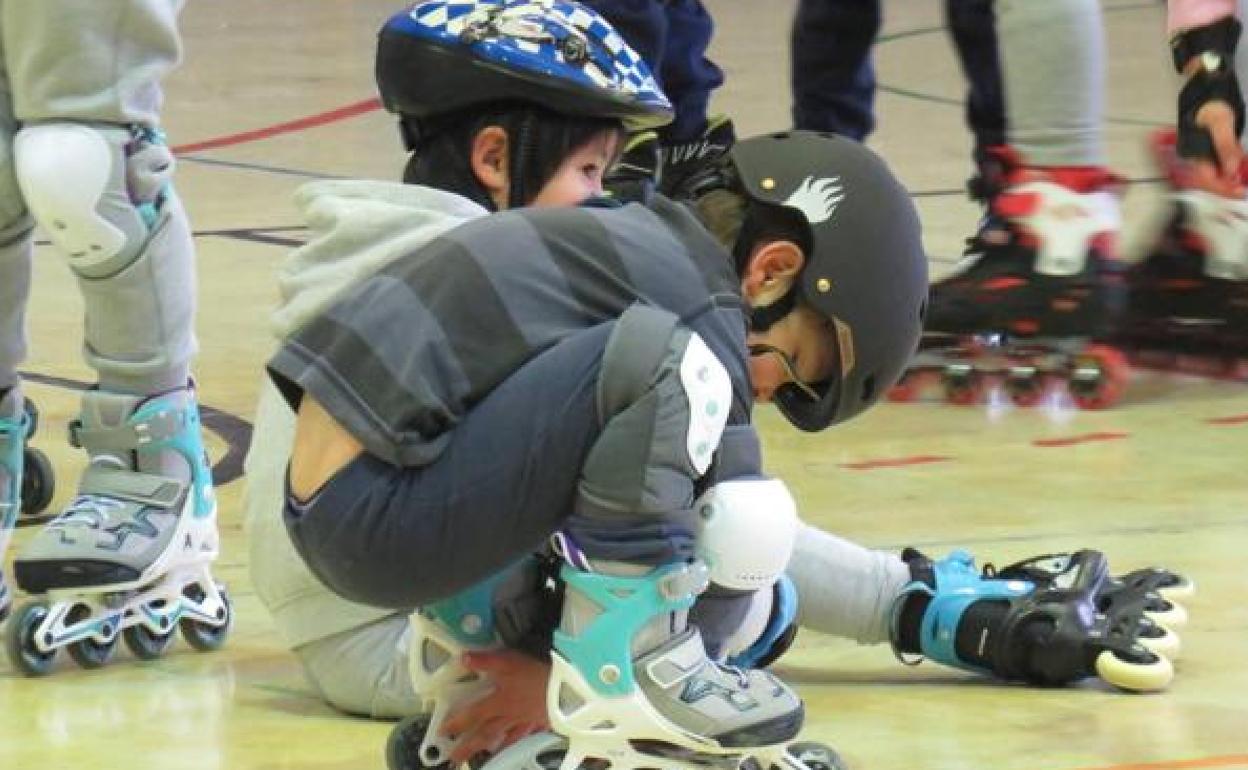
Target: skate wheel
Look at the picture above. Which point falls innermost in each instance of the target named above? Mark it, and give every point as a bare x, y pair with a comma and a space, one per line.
403, 745
1161, 641
1149, 673
814, 756
87, 652
201, 635
1180, 588
146, 644
19, 640
1098, 377
963, 387
1166, 613
1169, 585
38, 481
1024, 389
906, 390
540, 751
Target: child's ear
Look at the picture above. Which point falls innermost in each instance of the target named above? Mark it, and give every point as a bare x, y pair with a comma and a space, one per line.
489, 161
770, 271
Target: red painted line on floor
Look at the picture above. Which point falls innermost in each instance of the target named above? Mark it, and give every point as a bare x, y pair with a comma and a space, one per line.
895, 462
290, 126
1235, 419
1086, 438
1229, 760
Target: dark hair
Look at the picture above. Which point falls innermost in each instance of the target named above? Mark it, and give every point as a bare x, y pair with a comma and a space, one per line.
740, 223
539, 141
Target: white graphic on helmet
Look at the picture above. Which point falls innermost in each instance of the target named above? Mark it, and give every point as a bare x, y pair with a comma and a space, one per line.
817, 198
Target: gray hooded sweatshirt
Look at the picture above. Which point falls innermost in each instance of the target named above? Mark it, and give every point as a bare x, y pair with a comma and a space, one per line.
357, 227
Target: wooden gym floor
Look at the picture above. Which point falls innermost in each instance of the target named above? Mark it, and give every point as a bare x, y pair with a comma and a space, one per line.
271, 98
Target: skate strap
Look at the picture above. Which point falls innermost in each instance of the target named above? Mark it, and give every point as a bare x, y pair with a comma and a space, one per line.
134, 434
145, 489
690, 580
684, 656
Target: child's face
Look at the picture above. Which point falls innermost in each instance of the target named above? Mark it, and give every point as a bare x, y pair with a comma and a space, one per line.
799, 347
580, 175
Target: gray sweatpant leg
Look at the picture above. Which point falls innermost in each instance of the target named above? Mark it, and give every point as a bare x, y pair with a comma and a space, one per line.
845, 589
1053, 56
364, 670
101, 64
15, 252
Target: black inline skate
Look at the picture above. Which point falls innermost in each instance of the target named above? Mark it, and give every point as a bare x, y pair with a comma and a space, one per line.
1047, 621
1188, 298
1035, 295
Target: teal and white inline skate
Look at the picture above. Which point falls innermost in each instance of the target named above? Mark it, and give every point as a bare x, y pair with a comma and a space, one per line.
631, 685
26, 479
516, 607
130, 556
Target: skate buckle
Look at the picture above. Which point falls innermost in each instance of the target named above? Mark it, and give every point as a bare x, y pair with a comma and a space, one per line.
690, 580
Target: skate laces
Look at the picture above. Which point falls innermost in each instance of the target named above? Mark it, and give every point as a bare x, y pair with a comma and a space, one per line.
87, 511
743, 678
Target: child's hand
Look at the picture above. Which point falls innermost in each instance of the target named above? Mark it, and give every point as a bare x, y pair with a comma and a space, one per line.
516, 707
1222, 177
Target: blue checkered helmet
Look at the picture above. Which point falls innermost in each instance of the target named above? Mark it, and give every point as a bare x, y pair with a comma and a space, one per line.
442, 56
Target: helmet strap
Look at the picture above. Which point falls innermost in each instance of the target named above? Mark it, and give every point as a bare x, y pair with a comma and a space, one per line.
763, 318
522, 149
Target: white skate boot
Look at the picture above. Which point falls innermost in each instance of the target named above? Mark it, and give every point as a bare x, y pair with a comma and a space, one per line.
130, 555
632, 687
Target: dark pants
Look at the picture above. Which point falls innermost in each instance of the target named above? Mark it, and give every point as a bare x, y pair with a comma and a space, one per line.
508, 479
833, 79
672, 37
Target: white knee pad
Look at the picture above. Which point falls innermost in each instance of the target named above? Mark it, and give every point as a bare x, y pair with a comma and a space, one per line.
747, 528
93, 189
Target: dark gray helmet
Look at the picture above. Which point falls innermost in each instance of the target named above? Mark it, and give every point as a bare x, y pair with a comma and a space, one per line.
865, 266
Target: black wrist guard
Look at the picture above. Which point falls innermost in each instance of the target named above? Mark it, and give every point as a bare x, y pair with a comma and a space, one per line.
1219, 37
1202, 88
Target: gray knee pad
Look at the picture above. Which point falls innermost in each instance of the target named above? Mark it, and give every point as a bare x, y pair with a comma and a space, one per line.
663, 402
103, 195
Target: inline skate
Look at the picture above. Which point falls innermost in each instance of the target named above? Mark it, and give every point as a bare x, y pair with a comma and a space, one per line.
130, 556
26, 478
1047, 621
1187, 307
1031, 304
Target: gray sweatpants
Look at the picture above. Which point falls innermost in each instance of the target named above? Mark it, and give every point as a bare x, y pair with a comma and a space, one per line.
843, 589
365, 670
99, 63
1053, 57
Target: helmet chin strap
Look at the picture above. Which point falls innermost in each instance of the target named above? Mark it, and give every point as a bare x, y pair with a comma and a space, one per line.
522, 149
764, 317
